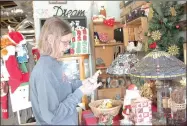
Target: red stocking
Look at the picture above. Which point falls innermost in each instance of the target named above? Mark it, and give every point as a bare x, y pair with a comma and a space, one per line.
16, 75
4, 100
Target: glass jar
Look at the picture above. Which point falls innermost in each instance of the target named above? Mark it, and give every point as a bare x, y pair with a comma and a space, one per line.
103, 11
178, 104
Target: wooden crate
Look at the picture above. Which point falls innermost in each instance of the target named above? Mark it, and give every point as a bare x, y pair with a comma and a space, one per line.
104, 93
131, 6
139, 22
184, 50
121, 4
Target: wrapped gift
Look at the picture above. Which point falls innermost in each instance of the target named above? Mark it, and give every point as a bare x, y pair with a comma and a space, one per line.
141, 111
79, 41
88, 118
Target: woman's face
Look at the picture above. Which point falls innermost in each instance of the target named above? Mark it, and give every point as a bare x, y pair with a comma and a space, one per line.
65, 42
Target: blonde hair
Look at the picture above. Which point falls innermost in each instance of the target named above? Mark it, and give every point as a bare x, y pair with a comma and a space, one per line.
56, 27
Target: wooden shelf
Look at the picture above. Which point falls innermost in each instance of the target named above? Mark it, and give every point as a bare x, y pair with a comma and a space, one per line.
101, 67
109, 44
136, 21
105, 89
104, 75
76, 56
110, 93
101, 23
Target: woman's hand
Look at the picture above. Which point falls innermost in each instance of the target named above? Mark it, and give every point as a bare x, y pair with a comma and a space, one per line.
93, 79
90, 84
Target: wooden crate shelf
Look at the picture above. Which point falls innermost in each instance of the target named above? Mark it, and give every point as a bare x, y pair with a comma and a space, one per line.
104, 93
133, 26
108, 44
136, 22
105, 52
101, 67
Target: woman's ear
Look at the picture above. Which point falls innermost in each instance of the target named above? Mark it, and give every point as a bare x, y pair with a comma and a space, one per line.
51, 39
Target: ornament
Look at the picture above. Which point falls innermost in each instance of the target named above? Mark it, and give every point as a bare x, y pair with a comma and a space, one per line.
150, 15
109, 22
156, 35
177, 26
183, 81
153, 45
148, 34
173, 11
148, 90
173, 50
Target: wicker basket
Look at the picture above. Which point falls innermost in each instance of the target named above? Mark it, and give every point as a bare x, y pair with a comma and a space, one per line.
112, 111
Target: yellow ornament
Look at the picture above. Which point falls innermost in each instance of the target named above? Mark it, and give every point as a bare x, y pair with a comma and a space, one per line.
183, 81
173, 11
173, 50
109, 105
156, 35
150, 14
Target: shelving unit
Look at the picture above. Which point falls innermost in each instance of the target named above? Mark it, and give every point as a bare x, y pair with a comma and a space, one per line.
130, 31
106, 52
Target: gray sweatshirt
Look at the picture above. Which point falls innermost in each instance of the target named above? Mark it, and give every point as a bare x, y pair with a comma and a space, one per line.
53, 97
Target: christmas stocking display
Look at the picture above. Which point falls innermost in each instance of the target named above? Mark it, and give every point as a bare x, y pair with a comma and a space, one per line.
16, 76
4, 100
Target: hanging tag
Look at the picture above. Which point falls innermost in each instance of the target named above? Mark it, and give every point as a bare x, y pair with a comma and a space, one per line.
103, 47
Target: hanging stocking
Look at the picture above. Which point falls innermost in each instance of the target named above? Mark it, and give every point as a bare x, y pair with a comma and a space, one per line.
16, 75
4, 100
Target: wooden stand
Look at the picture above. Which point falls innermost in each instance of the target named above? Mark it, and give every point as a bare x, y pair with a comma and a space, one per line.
106, 53
184, 48
130, 31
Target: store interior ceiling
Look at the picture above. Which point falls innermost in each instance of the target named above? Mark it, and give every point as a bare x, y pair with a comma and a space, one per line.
18, 15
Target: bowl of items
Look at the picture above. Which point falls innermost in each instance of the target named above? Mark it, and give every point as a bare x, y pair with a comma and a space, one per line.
105, 106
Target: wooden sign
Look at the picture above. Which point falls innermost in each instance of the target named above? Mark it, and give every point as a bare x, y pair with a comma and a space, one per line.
67, 13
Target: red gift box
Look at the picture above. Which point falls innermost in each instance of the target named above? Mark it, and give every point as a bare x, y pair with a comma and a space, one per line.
88, 118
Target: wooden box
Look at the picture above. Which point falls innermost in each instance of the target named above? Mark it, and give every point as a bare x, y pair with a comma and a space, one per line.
184, 49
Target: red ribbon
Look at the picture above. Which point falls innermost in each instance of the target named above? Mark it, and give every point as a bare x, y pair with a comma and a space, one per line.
109, 22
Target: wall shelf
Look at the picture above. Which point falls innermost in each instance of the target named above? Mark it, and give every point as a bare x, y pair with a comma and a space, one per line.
108, 44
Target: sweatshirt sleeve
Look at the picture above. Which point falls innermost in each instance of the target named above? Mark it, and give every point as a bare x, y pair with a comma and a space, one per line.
76, 84
52, 110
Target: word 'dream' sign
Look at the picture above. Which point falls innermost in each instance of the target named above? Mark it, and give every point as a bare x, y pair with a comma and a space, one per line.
67, 13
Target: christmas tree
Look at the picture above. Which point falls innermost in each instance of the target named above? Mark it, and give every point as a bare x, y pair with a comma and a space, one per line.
164, 28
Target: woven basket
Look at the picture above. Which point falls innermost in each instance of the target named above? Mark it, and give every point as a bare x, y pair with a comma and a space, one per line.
112, 111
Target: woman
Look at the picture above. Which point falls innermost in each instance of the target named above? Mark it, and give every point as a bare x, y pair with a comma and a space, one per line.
53, 97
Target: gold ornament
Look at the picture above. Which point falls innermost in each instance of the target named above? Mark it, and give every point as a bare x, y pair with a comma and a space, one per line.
173, 50
183, 81
150, 14
173, 11
148, 90
156, 35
